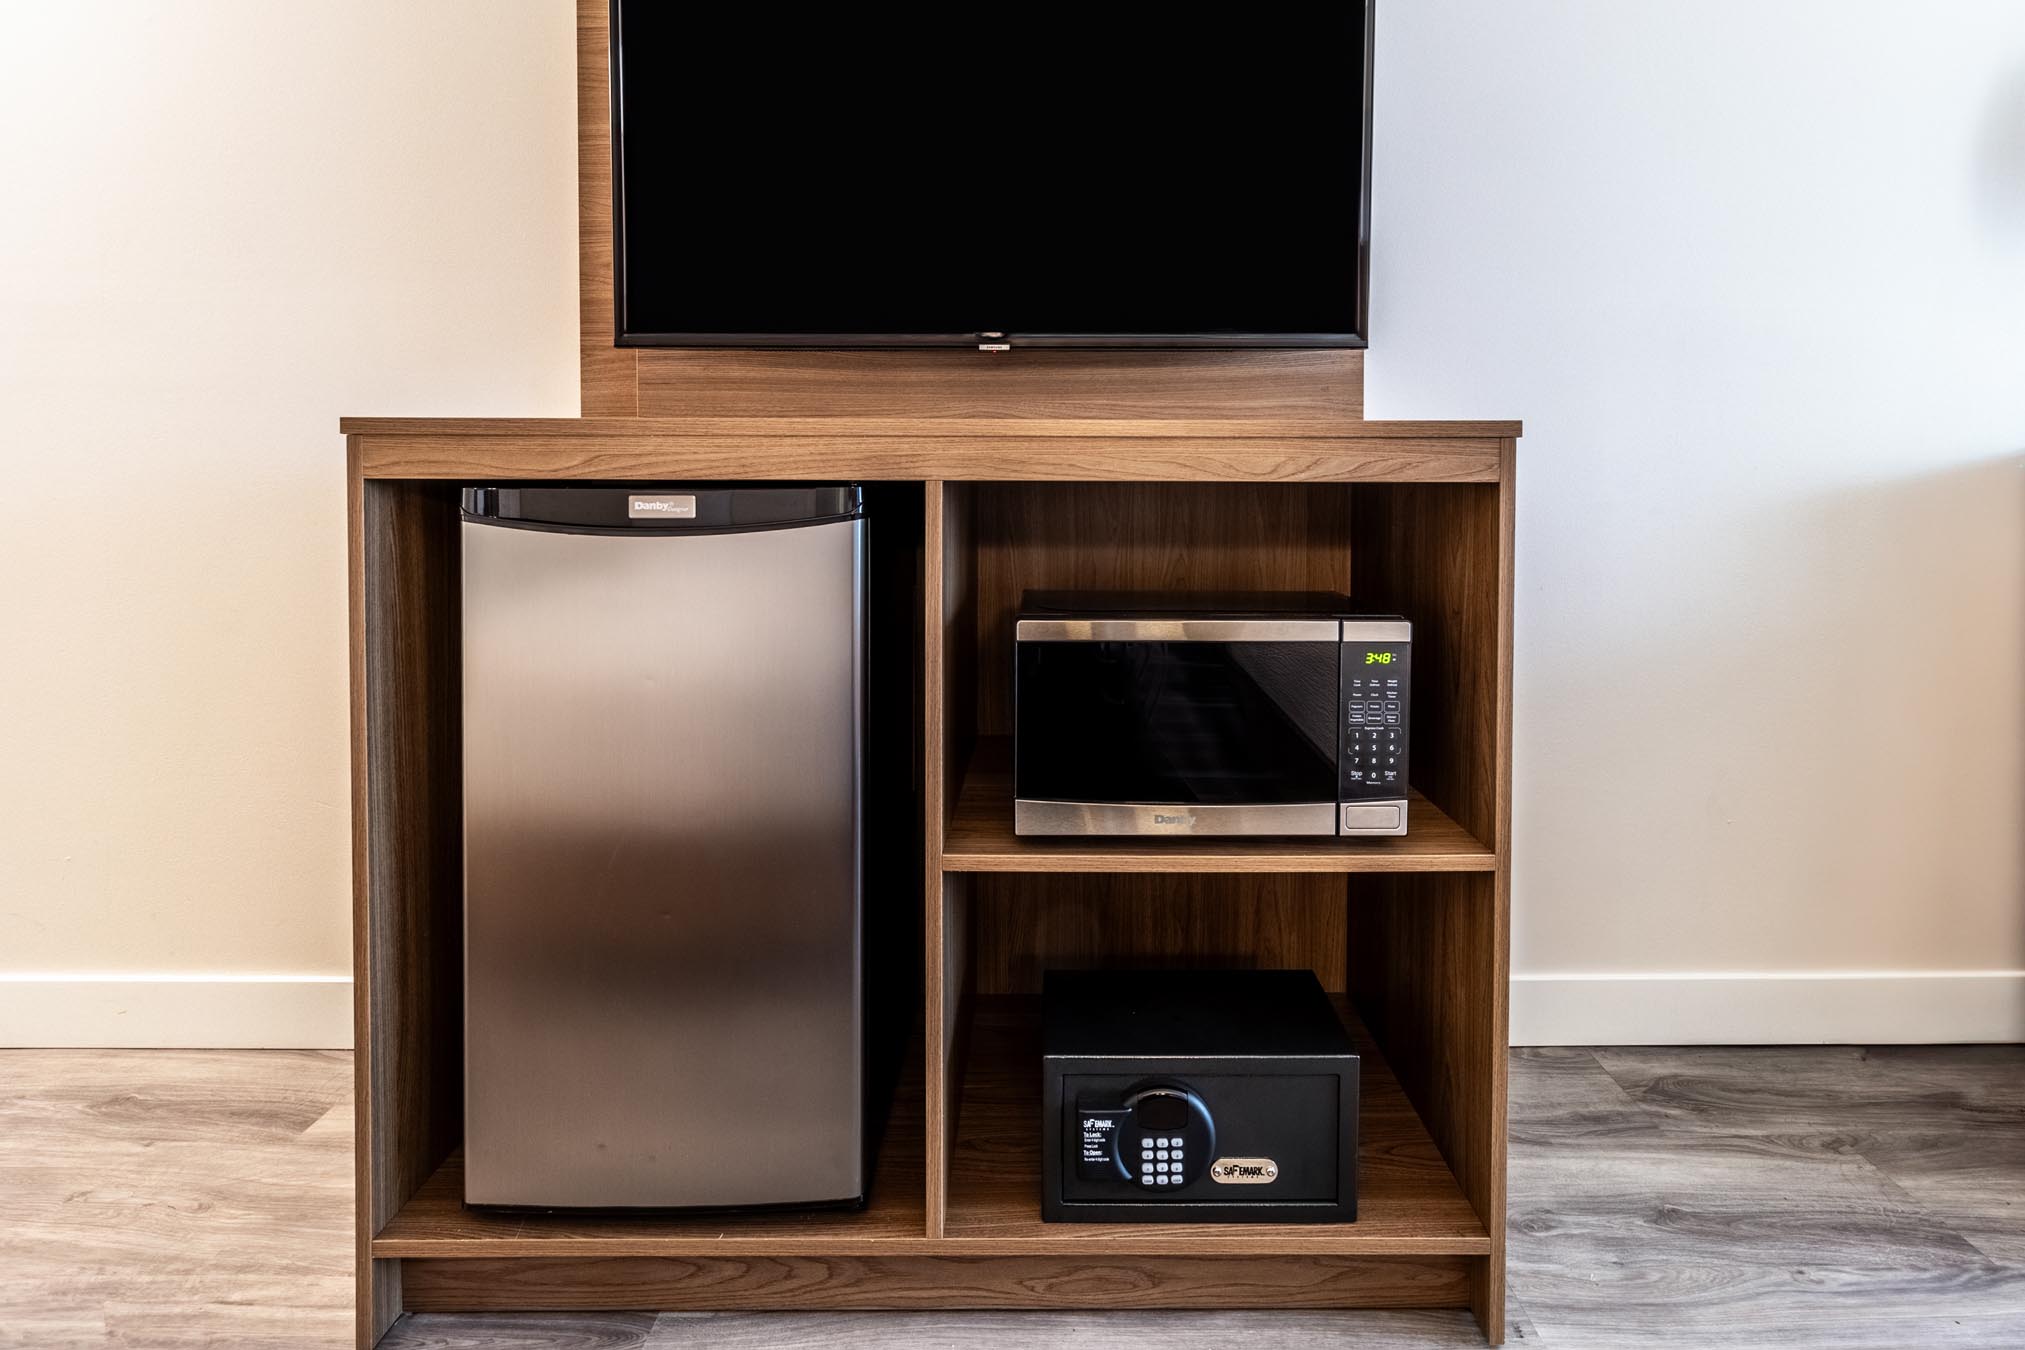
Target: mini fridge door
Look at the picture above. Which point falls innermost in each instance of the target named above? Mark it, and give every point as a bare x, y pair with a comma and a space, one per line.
662, 726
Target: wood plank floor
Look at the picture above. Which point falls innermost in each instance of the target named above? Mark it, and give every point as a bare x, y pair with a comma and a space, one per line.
1829, 1198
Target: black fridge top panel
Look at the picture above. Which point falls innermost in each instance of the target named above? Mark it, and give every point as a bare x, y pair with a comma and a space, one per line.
651, 508
1131, 1013
1183, 604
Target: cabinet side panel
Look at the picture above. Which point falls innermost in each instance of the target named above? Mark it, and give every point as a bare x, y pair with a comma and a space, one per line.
407, 930
1427, 976
1434, 553
1429, 956
377, 1297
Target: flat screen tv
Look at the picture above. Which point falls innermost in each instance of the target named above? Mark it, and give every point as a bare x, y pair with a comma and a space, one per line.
1034, 174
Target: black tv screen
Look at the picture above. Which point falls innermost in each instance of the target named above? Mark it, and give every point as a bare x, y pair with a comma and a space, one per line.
1041, 174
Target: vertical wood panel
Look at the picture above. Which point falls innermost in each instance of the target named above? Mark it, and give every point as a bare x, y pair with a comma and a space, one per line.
1429, 955
941, 383
1026, 924
407, 879
1425, 971
948, 610
610, 375
378, 1297
1433, 553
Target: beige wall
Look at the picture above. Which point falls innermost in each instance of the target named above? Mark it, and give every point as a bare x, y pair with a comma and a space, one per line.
227, 224
1754, 275
1758, 302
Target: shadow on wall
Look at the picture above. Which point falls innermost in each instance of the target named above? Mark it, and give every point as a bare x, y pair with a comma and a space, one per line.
1909, 603
2000, 160
1820, 721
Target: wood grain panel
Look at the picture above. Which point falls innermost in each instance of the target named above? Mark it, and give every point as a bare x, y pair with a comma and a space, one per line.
952, 1009
1148, 536
1430, 955
1479, 437
949, 608
950, 382
903, 384
1022, 925
1438, 556
610, 374
869, 1283
980, 839
461, 457
406, 881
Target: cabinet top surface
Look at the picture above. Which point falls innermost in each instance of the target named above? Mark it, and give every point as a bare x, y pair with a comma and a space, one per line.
1277, 428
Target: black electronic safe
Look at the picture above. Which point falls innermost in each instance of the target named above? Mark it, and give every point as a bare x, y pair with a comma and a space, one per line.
1212, 1096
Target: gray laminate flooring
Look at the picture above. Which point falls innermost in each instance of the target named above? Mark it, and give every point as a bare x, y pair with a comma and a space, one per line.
1819, 1197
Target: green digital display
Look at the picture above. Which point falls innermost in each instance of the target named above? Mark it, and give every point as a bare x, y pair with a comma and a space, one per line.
1378, 658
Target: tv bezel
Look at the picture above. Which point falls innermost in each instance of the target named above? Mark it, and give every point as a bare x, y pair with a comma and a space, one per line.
623, 337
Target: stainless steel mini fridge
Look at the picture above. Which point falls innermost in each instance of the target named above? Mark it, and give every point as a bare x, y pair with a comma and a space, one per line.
663, 746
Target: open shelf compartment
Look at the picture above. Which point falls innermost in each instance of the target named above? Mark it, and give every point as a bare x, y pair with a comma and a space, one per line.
1408, 1202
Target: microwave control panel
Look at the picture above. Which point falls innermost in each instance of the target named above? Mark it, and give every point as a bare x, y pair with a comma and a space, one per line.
1376, 679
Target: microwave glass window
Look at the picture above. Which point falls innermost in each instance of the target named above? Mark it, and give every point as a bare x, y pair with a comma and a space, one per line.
1199, 722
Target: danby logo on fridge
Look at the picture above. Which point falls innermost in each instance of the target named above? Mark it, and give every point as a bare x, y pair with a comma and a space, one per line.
674, 508
1183, 819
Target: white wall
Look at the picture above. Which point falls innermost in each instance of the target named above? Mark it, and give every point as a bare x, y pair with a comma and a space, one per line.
1753, 274
227, 224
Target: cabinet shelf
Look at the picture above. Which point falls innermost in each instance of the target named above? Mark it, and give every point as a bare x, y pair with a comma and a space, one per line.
980, 838
1408, 1202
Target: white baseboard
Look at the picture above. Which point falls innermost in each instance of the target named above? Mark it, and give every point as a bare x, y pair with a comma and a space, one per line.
1770, 1008
1732, 1008
306, 1012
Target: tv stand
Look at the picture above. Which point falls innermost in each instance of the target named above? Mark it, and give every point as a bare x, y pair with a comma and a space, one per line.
1409, 932
1035, 468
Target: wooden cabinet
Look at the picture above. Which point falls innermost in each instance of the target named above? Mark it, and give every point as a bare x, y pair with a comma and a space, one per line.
1410, 933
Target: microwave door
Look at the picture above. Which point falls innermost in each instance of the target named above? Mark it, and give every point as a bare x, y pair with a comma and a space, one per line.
1238, 734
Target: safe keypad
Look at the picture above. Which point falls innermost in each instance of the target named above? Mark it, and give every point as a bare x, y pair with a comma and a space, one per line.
1161, 1159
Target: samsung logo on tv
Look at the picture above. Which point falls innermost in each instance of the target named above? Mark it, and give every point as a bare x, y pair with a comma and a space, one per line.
680, 508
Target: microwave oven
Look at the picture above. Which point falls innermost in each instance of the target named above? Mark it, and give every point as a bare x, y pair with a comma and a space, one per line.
1204, 714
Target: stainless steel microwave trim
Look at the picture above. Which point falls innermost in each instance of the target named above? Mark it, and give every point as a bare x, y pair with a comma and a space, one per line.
1377, 630
1142, 818
1179, 630
1374, 818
